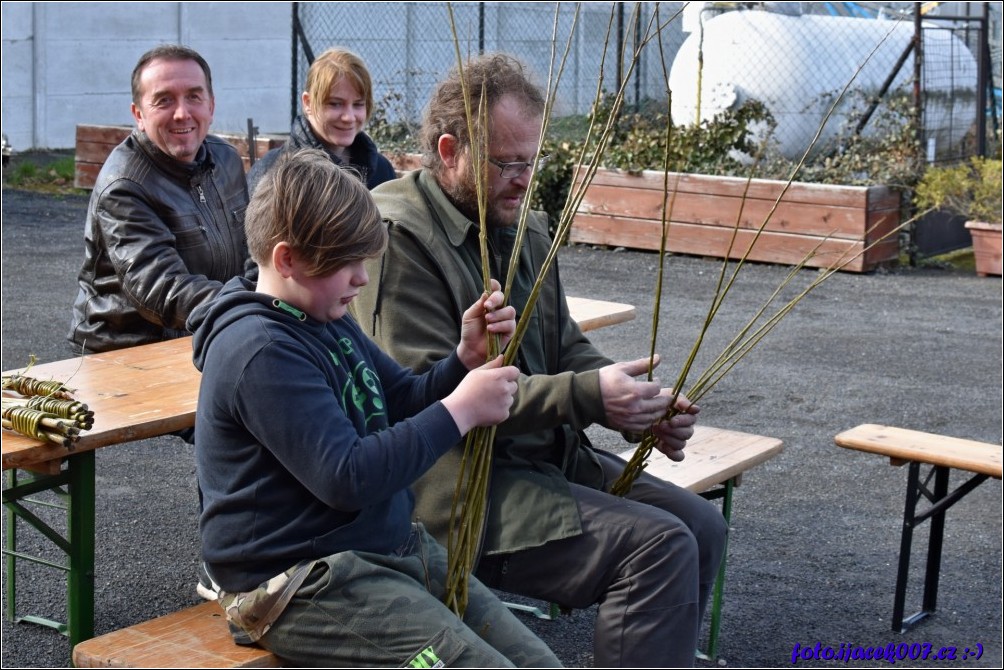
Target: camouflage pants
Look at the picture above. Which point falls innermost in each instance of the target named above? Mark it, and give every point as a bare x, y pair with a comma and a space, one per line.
361, 609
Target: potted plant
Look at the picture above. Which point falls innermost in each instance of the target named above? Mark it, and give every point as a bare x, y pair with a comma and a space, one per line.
972, 190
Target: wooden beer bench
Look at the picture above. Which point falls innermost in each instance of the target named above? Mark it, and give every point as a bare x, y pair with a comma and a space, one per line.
198, 637
942, 453
151, 390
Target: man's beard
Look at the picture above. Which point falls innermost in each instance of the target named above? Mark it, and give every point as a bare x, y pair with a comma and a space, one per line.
464, 196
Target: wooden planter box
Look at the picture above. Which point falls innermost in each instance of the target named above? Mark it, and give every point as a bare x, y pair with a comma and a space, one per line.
625, 210
95, 142
987, 242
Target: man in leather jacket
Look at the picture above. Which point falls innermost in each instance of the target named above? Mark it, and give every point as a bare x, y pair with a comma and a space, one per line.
165, 224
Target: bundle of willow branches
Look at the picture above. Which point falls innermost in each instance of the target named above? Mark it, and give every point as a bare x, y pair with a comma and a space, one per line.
471, 493
468, 511
44, 410
762, 321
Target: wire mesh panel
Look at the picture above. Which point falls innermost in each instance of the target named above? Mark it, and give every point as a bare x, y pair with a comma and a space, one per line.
795, 58
408, 47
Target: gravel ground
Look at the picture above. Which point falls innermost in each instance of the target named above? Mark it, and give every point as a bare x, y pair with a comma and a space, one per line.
815, 532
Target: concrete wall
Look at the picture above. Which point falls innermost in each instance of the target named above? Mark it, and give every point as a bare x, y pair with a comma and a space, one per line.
71, 62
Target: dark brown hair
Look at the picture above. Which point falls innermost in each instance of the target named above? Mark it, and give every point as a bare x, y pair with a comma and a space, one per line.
168, 52
494, 76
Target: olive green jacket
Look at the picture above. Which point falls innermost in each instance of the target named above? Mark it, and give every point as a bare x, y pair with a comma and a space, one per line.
413, 306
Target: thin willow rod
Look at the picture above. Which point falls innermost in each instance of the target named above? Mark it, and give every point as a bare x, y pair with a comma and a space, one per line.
552, 93
798, 167
462, 545
718, 370
564, 223
744, 342
637, 461
463, 541
477, 133
842, 262
463, 550
466, 521
720, 295
459, 551
577, 192
666, 209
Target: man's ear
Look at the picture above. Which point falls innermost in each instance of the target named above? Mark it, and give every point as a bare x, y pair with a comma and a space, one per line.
448, 150
137, 114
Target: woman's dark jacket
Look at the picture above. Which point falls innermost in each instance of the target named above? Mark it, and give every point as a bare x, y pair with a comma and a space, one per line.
373, 166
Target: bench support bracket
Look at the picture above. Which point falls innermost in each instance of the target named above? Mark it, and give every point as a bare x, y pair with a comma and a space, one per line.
940, 500
75, 484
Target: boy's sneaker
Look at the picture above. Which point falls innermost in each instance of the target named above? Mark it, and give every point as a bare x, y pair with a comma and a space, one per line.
206, 587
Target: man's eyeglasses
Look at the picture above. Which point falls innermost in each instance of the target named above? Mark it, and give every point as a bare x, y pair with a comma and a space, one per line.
516, 168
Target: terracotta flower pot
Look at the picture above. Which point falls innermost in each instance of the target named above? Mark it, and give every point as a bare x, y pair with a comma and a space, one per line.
986, 247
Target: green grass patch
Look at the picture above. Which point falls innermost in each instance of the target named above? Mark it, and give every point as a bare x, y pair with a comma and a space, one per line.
51, 176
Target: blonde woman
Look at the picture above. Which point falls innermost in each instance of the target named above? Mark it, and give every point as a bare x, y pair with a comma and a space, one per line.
336, 105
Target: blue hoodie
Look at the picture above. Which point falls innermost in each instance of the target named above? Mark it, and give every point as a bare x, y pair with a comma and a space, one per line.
306, 436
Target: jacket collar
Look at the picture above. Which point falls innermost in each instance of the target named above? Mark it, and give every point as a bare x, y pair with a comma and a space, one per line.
179, 169
456, 225
362, 151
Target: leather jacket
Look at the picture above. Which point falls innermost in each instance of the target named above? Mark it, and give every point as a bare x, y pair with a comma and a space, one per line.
162, 236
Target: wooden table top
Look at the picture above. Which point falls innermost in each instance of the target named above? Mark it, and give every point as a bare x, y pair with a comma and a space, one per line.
151, 390
134, 393
713, 456
592, 314
903, 445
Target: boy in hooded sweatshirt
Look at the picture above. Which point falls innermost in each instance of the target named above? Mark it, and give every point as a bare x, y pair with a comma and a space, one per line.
307, 437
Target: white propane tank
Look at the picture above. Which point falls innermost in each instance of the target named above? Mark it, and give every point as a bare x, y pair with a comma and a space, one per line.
797, 65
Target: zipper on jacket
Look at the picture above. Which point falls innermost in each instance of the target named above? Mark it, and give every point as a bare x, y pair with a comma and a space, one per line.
202, 194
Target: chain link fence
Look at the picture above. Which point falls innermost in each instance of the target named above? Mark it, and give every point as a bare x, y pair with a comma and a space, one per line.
794, 57
408, 47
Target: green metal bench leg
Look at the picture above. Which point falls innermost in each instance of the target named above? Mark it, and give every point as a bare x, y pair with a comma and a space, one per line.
552, 613
725, 493
718, 594
80, 583
78, 543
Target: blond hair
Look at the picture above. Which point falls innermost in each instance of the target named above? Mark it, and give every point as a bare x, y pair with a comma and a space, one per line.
331, 66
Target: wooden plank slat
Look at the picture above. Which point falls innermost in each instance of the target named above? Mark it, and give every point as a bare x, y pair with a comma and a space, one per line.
102, 134
698, 208
904, 445
758, 189
196, 637
592, 314
624, 209
707, 240
134, 393
713, 456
